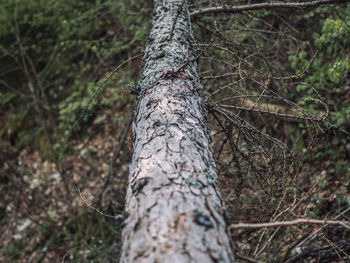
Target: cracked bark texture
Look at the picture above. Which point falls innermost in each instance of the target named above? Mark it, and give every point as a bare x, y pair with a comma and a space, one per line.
173, 209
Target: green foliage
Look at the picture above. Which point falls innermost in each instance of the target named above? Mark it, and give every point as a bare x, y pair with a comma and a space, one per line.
328, 73
52, 54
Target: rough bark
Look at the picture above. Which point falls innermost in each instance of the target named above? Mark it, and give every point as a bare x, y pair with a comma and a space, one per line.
173, 208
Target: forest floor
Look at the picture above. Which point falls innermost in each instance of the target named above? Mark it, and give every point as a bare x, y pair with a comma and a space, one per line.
42, 222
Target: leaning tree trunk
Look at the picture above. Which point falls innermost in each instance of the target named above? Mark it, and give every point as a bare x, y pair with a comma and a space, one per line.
173, 208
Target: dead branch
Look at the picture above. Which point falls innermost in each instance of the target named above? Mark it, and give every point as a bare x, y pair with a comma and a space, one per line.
327, 253
100, 87
119, 217
289, 223
116, 152
247, 259
267, 5
288, 114
314, 234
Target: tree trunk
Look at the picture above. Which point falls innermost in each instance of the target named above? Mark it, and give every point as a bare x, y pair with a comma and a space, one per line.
173, 208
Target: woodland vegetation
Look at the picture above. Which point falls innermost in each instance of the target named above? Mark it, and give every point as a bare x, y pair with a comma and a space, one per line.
277, 87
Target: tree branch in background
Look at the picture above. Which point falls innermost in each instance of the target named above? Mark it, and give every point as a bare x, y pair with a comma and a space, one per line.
284, 112
289, 223
267, 5
100, 86
116, 152
325, 253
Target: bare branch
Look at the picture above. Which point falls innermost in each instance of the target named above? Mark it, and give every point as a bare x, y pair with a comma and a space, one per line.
314, 234
100, 86
247, 259
289, 223
267, 5
94, 208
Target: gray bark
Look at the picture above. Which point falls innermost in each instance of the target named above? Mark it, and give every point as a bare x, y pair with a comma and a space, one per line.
173, 209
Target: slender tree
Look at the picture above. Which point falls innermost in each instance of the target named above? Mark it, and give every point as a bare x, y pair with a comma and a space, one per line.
173, 207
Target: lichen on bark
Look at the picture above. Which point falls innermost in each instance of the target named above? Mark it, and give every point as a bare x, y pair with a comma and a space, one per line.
174, 211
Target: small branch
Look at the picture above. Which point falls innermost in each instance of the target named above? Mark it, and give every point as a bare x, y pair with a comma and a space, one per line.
187, 63
314, 234
284, 116
174, 23
329, 253
100, 86
268, 5
115, 156
289, 223
94, 208
193, 60
247, 259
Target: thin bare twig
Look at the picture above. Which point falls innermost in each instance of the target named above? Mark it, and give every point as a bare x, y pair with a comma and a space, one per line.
314, 234
247, 259
289, 223
193, 59
94, 208
277, 114
115, 156
267, 5
100, 86
175, 20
